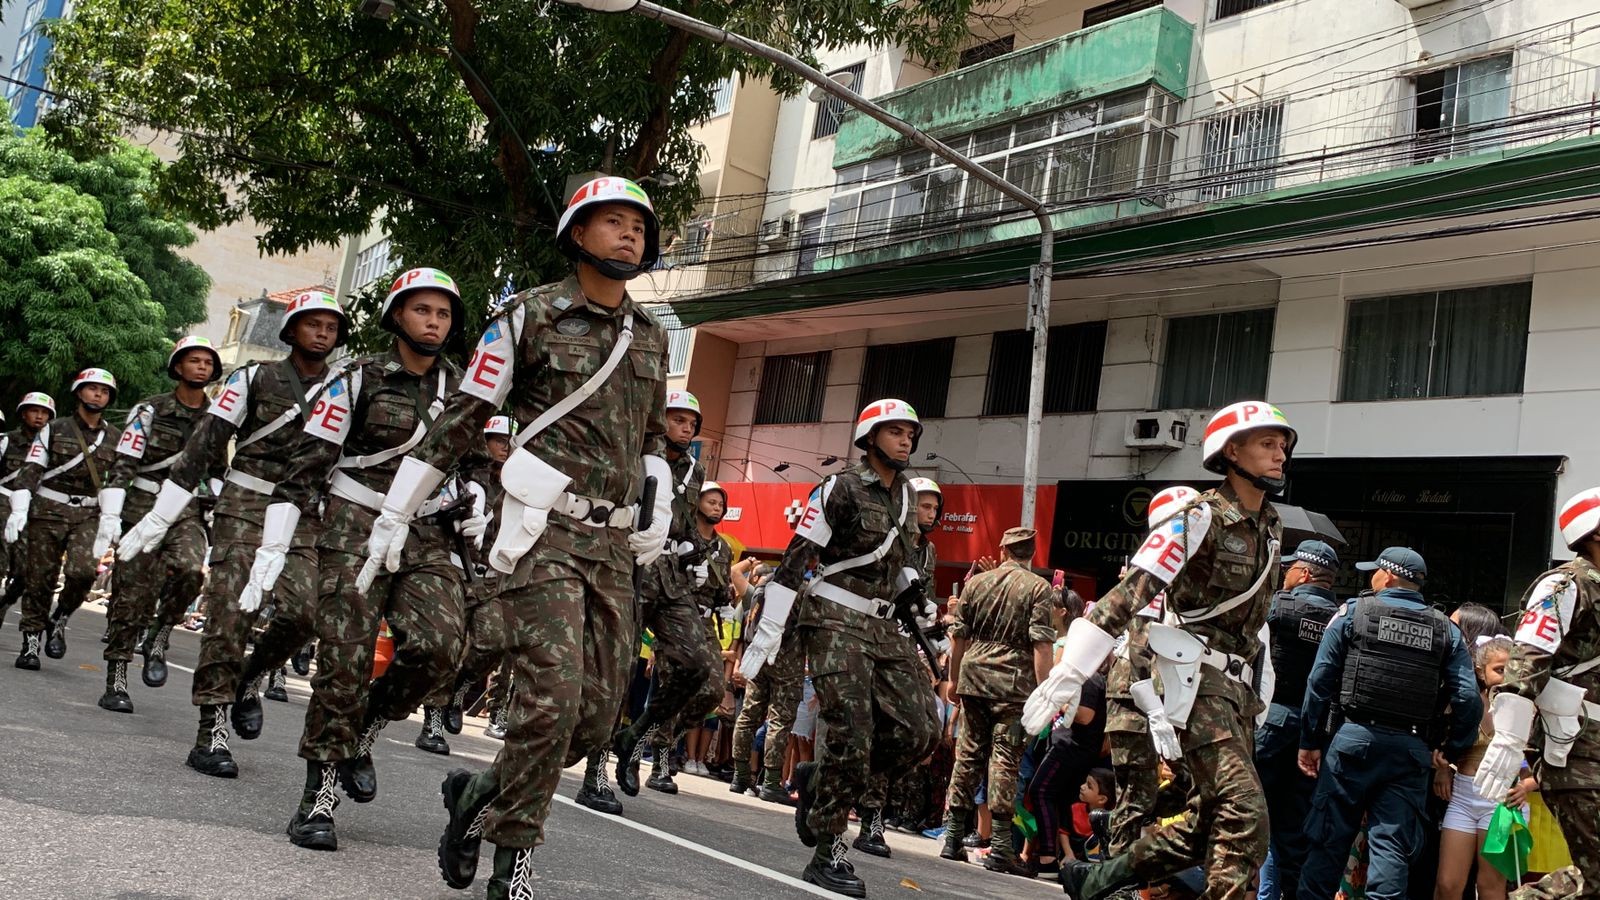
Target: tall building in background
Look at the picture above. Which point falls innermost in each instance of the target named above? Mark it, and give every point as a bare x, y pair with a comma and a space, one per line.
32, 54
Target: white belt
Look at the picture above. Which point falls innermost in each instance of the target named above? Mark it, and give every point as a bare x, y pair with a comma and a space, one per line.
342, 485
67, 499
878, 609
1232, 666
251, 483
595, 513
1591, 711
146, 485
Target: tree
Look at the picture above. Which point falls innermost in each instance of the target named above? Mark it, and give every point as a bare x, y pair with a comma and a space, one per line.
459, 121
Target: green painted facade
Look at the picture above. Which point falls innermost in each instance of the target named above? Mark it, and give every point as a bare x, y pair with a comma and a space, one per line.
1149, 46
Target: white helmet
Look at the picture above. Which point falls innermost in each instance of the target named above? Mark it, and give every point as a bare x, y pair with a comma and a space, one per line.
498, 425
926, 486
419, 279
312, 301
194, 342
95, 376
1236, 419
40, 399
600, 191
1580, 517
1167, 502
881, 412
688, 402
709, 486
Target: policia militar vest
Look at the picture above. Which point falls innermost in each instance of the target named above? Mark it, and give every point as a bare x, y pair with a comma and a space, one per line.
1297, 625
1392, 672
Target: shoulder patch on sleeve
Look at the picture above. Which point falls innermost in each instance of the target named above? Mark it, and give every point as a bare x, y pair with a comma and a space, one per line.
1165, 552
136, 434
330, 416
1548, 612
488, 375
233, 400
813, 524
39, 450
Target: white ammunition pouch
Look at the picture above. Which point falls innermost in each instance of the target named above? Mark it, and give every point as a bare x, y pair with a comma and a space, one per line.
1177, 661
1561, 713
532, 489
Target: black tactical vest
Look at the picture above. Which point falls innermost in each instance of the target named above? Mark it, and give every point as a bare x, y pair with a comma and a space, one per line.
1297, 625
1393, 672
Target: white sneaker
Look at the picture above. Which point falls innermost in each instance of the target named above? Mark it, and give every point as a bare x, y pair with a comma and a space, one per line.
699, 768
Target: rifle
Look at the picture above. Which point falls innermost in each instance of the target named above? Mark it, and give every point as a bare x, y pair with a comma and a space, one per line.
647, 515
448, 517
908, 602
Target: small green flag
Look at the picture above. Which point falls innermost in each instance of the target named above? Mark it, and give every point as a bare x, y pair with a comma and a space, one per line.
1508, 842
1025, 821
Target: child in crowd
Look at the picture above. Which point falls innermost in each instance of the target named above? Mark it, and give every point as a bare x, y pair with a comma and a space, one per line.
1099, 792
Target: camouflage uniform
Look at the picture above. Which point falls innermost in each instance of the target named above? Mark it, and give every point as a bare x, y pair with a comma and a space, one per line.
60, 533
876, 796
253, 397
1571, 791
872, 689
164, 583
676, 707
772, 696
1004, 613
1133, 756
422, 601
485, 615
571, 617
16, 443
1229, 830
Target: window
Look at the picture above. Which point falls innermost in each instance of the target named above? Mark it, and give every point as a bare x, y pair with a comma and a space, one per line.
1215, 360
986, 51
1226, 8
1240, 150
691, 250
722, 99
792, 388
810, 238
677, 338
373, 263
918, 373
1461, 343
830, 108
1463, 109
1105, 12
1071, 371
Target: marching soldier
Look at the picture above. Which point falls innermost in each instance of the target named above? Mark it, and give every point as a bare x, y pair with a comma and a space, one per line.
1000, 651
34, 411
157, 429
873, 690
1213, 560
53, 510
261, 410
772, 696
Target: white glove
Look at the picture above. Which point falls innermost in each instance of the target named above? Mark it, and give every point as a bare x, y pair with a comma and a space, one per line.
1269, 675
647, 545
277, 531
148, 533
1162, 734
763, 646
929, 616
702, 573
1513, 724
727, 613
110, 527
1087, 647
415, 482
18, 519
475, 525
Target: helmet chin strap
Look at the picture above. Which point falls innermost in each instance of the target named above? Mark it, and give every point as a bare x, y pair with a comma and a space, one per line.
91, 407
609, 268
193, 384
1270, 485
926, 529
419, 347
895, 464
312, 355
678, 447
711, 521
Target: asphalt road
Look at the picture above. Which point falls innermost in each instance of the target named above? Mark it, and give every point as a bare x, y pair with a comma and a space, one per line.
97, 804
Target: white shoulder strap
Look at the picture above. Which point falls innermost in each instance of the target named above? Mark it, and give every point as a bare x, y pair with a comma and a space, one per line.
404, 447
1238, 600
882, 550
585, 391
75, 461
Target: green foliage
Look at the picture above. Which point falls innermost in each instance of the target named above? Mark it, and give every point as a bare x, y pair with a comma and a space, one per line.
311, 119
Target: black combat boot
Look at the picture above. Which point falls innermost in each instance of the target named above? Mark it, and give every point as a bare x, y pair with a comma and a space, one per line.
209, 755
116, 697
497, 726
466, 799
628, 745
870, 839
432, 737
454, 712
513, 874
357, 775
802, 812
302, 661
312, 825
830, 870
1093, 881
154, 673
772, 789
955, 831
661, 774
29, 657
596, 790
55, 646
277, 688
1003, 856
246, 711
742, 782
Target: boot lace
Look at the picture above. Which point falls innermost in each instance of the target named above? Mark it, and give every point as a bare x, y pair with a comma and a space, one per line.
252, 690
522, 876
602, 781
638, 748
435, 721
119, 678
277, 680
364, 746
219, 729
30, 645
841, 850
324, 801
475, 830
459, 698
158, 643
877, 825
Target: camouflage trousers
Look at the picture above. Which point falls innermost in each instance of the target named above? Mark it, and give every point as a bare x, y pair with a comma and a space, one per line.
689, 672
157, 585
63, 546
228, 629
422, 603
1227, 832
1578, 811
773, 697
486, 641
1138, 771
991, 743
875, 701
573, 635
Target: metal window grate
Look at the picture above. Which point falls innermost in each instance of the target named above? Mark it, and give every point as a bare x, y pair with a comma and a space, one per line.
1105, 12
1240, 153
1227, 8
1071, 372
792, 388
918, 373
986, 51
677, 338
830, 108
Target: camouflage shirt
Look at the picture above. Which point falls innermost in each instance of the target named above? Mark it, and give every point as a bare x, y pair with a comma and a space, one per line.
1560, 628
666, 577
1229, 560
539, 350
849, 515
253, 397
56, 444
16, 443
927, 563
156, 431
1003, 613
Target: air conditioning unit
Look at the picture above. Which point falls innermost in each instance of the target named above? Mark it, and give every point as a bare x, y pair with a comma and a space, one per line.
1163, 430
780, 231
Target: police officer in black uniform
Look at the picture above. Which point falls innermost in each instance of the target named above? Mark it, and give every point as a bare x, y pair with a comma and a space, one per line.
1394, 663
1300, 613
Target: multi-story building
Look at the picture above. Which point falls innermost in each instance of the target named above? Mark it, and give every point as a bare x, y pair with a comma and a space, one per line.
1374, 213
253, 326
32, 52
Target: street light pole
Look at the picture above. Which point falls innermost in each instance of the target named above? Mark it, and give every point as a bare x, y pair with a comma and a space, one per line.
1039, 274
